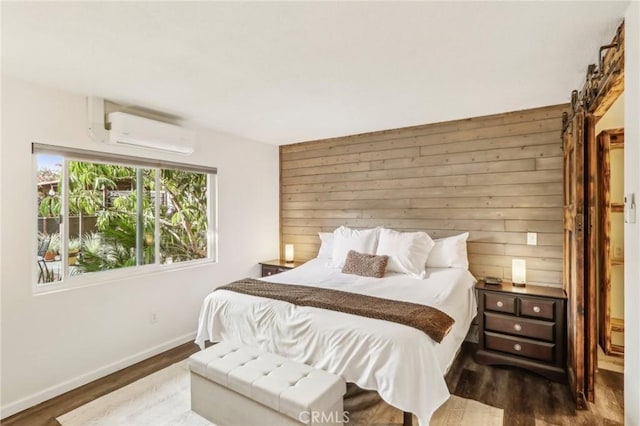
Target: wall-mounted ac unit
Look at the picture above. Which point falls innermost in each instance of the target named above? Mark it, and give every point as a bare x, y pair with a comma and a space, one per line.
127, 129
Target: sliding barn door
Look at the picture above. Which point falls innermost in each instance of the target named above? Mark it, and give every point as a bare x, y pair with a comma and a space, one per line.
603, 85
574, 253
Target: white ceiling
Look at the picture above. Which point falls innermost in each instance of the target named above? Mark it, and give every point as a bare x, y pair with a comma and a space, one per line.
290, 72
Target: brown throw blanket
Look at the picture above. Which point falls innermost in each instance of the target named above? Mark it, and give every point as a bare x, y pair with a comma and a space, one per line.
435, 323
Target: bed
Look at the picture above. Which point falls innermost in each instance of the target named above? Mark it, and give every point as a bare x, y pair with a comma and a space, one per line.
404, 365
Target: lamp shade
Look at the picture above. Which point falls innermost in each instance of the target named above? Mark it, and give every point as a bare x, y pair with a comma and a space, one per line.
518, 271
288, 253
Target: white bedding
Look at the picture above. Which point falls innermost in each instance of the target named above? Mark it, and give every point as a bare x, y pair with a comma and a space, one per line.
403, 364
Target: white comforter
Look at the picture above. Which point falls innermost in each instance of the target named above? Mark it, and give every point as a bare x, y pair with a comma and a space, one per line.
403, 364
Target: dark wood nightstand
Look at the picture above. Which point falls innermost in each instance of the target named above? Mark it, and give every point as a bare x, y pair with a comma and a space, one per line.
523, 327
271, 267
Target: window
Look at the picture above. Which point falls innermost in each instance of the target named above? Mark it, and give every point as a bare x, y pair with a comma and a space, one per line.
98, 212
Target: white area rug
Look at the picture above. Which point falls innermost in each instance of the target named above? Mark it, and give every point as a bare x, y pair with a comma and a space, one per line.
163, 398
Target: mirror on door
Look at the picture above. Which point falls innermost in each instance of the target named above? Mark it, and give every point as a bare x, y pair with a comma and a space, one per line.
610, 246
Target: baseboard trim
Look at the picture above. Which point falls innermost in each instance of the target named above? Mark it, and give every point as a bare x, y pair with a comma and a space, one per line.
53, 391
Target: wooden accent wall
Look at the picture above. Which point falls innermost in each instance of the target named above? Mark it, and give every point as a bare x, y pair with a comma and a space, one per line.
496, 176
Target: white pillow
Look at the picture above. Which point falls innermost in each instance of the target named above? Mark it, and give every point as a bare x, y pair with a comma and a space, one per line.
450, 252
326, 245
345, 239
407, 251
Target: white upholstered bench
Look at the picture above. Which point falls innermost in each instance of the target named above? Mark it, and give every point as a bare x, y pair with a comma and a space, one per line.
232, 384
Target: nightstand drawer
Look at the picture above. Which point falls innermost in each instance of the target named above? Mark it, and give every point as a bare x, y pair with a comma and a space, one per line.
530, 328
275, 266
537, 308
272, 270
522, 347
500, 302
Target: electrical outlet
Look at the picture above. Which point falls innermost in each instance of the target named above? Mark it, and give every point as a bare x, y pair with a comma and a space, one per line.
532, 238
153, 317
618, 253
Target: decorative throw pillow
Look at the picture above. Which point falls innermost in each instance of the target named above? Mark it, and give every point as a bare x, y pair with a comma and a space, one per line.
450, 252
365, 265
326, 245
345, 239
407, 251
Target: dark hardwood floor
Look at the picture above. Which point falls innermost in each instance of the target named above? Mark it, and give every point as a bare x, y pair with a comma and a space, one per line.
527, 399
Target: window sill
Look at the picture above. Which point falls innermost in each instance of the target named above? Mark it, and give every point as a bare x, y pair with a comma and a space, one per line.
105, 277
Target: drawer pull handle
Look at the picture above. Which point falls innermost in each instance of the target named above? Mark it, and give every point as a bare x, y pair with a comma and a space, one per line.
500, 304
517, 327
517, 347
269, 273
536, 309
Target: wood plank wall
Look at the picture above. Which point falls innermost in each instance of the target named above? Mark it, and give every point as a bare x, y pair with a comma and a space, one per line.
496, 176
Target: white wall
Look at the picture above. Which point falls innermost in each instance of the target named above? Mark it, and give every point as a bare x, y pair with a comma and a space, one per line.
632, 231
57, 341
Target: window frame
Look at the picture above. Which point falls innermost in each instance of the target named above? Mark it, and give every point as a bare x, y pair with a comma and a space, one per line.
100, 277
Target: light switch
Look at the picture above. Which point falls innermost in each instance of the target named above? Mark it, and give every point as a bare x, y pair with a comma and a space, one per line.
630, 208
532, 238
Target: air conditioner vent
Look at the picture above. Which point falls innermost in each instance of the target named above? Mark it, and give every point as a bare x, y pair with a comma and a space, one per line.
140, 132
